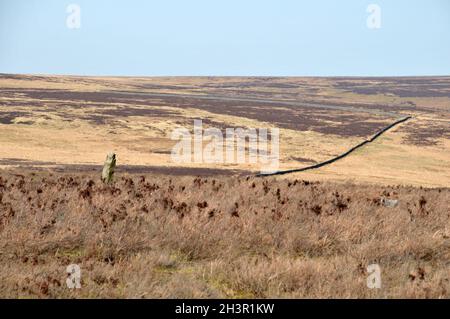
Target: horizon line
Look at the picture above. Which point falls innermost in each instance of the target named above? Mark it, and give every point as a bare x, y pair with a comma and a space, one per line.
226, 76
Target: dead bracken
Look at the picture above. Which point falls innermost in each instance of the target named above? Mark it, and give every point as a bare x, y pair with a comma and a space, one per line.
236, 236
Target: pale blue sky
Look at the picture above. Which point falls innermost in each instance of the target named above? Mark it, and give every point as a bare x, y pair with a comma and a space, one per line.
228, 37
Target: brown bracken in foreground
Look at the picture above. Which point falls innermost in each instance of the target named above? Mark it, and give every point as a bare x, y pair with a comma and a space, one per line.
225, 236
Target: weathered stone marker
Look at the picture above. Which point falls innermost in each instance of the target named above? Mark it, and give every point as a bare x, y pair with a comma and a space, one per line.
108, 168
389, 202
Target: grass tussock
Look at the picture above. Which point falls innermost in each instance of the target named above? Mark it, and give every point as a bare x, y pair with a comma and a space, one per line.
235, 237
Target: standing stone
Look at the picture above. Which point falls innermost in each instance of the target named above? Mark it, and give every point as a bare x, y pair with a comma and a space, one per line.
108, 168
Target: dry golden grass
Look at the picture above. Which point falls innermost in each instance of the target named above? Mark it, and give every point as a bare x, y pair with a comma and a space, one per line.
387, 161
72, 131
235, 237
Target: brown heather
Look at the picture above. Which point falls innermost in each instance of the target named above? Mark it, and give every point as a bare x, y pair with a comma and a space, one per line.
235, 237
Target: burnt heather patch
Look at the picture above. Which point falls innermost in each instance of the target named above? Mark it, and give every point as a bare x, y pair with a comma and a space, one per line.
296, 117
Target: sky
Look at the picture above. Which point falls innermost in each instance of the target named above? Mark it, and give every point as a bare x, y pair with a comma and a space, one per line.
225, 37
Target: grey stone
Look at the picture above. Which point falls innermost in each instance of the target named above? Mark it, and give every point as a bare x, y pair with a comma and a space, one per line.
108, 168
389, 202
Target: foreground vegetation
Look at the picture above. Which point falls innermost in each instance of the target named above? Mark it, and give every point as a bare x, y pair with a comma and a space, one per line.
156, 236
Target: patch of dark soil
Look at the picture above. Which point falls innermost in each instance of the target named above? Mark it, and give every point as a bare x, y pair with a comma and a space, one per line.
17, 161
131, 169
303, 160
8, 118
